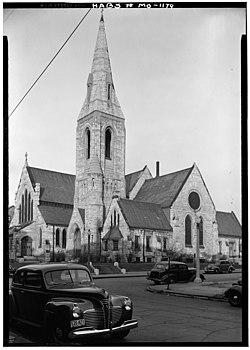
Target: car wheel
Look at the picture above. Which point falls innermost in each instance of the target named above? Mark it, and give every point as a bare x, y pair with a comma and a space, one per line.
120, 335
230, 270
216, 270
235, 298
170, 280
55, 333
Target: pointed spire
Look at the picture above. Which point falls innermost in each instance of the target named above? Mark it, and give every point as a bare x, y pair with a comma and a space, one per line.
101, 20
101, 94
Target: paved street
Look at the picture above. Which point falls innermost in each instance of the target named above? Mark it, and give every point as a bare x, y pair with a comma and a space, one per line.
168, 318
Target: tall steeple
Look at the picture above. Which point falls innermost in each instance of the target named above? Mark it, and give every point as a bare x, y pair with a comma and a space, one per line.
100, 148
101, 94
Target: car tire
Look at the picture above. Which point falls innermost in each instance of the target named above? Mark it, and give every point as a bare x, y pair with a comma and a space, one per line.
120, 335
55, 333
230, 270
235, 298
216, 271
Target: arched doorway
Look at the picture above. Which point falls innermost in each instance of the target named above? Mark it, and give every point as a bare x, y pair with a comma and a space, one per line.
77, 243
26, 246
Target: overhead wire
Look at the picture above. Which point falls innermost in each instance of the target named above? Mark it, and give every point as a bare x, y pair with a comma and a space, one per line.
50, 62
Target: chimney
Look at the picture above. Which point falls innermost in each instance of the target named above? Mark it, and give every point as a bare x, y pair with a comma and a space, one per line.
157, 169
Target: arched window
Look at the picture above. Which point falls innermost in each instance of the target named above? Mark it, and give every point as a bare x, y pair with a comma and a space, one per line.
64, 238
22, 208
57, 237
20, 214
88, 143
109, 92
26, 206
201, 232
29, 216
188, 231
31, 210
40, 238
108, 144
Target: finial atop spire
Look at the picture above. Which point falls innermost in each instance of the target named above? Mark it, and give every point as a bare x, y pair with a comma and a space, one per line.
26, 159
101, 20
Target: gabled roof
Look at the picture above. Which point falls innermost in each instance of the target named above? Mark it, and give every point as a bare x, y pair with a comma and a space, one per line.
53, 215
114, 234
163, 190
55, 187
131, 180
228, 224
144, 215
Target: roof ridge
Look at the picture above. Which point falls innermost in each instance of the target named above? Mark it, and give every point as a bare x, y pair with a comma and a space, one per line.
135, 172
136, 201
174, 172
51, 171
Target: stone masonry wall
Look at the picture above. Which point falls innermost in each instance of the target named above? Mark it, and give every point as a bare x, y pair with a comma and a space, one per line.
181, 209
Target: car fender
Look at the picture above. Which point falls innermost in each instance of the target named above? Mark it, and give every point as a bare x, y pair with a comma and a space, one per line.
168, 276
12, 305
58, 309
234, 287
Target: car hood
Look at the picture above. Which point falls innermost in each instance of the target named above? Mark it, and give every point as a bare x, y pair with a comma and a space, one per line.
90, 290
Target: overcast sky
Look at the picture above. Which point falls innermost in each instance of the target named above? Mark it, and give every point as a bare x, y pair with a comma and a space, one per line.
177, 78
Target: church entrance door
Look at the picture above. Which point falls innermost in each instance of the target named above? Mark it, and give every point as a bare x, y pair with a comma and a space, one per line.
26, 246
77, 243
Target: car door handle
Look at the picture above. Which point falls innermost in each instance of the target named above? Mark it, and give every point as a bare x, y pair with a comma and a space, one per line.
22, 291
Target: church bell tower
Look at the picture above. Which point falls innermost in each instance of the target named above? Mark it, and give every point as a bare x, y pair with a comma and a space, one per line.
100, 145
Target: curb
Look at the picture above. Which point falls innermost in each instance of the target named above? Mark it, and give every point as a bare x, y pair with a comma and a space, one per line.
217, 297
118, 275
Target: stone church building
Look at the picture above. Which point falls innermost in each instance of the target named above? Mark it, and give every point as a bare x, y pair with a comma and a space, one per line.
101, 214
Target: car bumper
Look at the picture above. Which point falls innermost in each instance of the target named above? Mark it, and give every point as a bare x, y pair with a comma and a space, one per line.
88, 331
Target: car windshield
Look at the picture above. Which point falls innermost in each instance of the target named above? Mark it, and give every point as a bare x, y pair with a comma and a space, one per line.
67, 276
161, 266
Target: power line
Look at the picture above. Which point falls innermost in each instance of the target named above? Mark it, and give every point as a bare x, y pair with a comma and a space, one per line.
50, 62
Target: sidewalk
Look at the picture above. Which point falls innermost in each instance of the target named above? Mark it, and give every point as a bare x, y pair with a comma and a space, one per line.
203, 290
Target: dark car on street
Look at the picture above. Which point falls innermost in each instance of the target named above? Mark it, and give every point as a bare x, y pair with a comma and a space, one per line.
178, 272
64, 302
234, 294
219, 267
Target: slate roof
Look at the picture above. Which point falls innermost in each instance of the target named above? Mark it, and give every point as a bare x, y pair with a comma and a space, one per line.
55, 187
228, 225
163, 190
54, 215
144, 215
131, 180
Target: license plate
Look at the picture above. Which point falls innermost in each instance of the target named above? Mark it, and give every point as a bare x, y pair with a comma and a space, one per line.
77, 323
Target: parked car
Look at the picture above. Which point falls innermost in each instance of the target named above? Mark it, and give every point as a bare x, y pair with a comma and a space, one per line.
234, 293
64, 302
178, 272
219, 267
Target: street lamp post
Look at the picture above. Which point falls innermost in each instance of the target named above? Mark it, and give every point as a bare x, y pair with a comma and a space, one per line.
53, 244
194, 202
89, 246
197, 278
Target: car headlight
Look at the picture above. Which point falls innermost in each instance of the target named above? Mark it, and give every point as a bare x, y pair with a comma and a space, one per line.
76, 312
128, 304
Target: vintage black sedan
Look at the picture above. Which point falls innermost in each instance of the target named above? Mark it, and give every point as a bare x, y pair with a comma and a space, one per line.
219, 267
178, 271
63, 300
